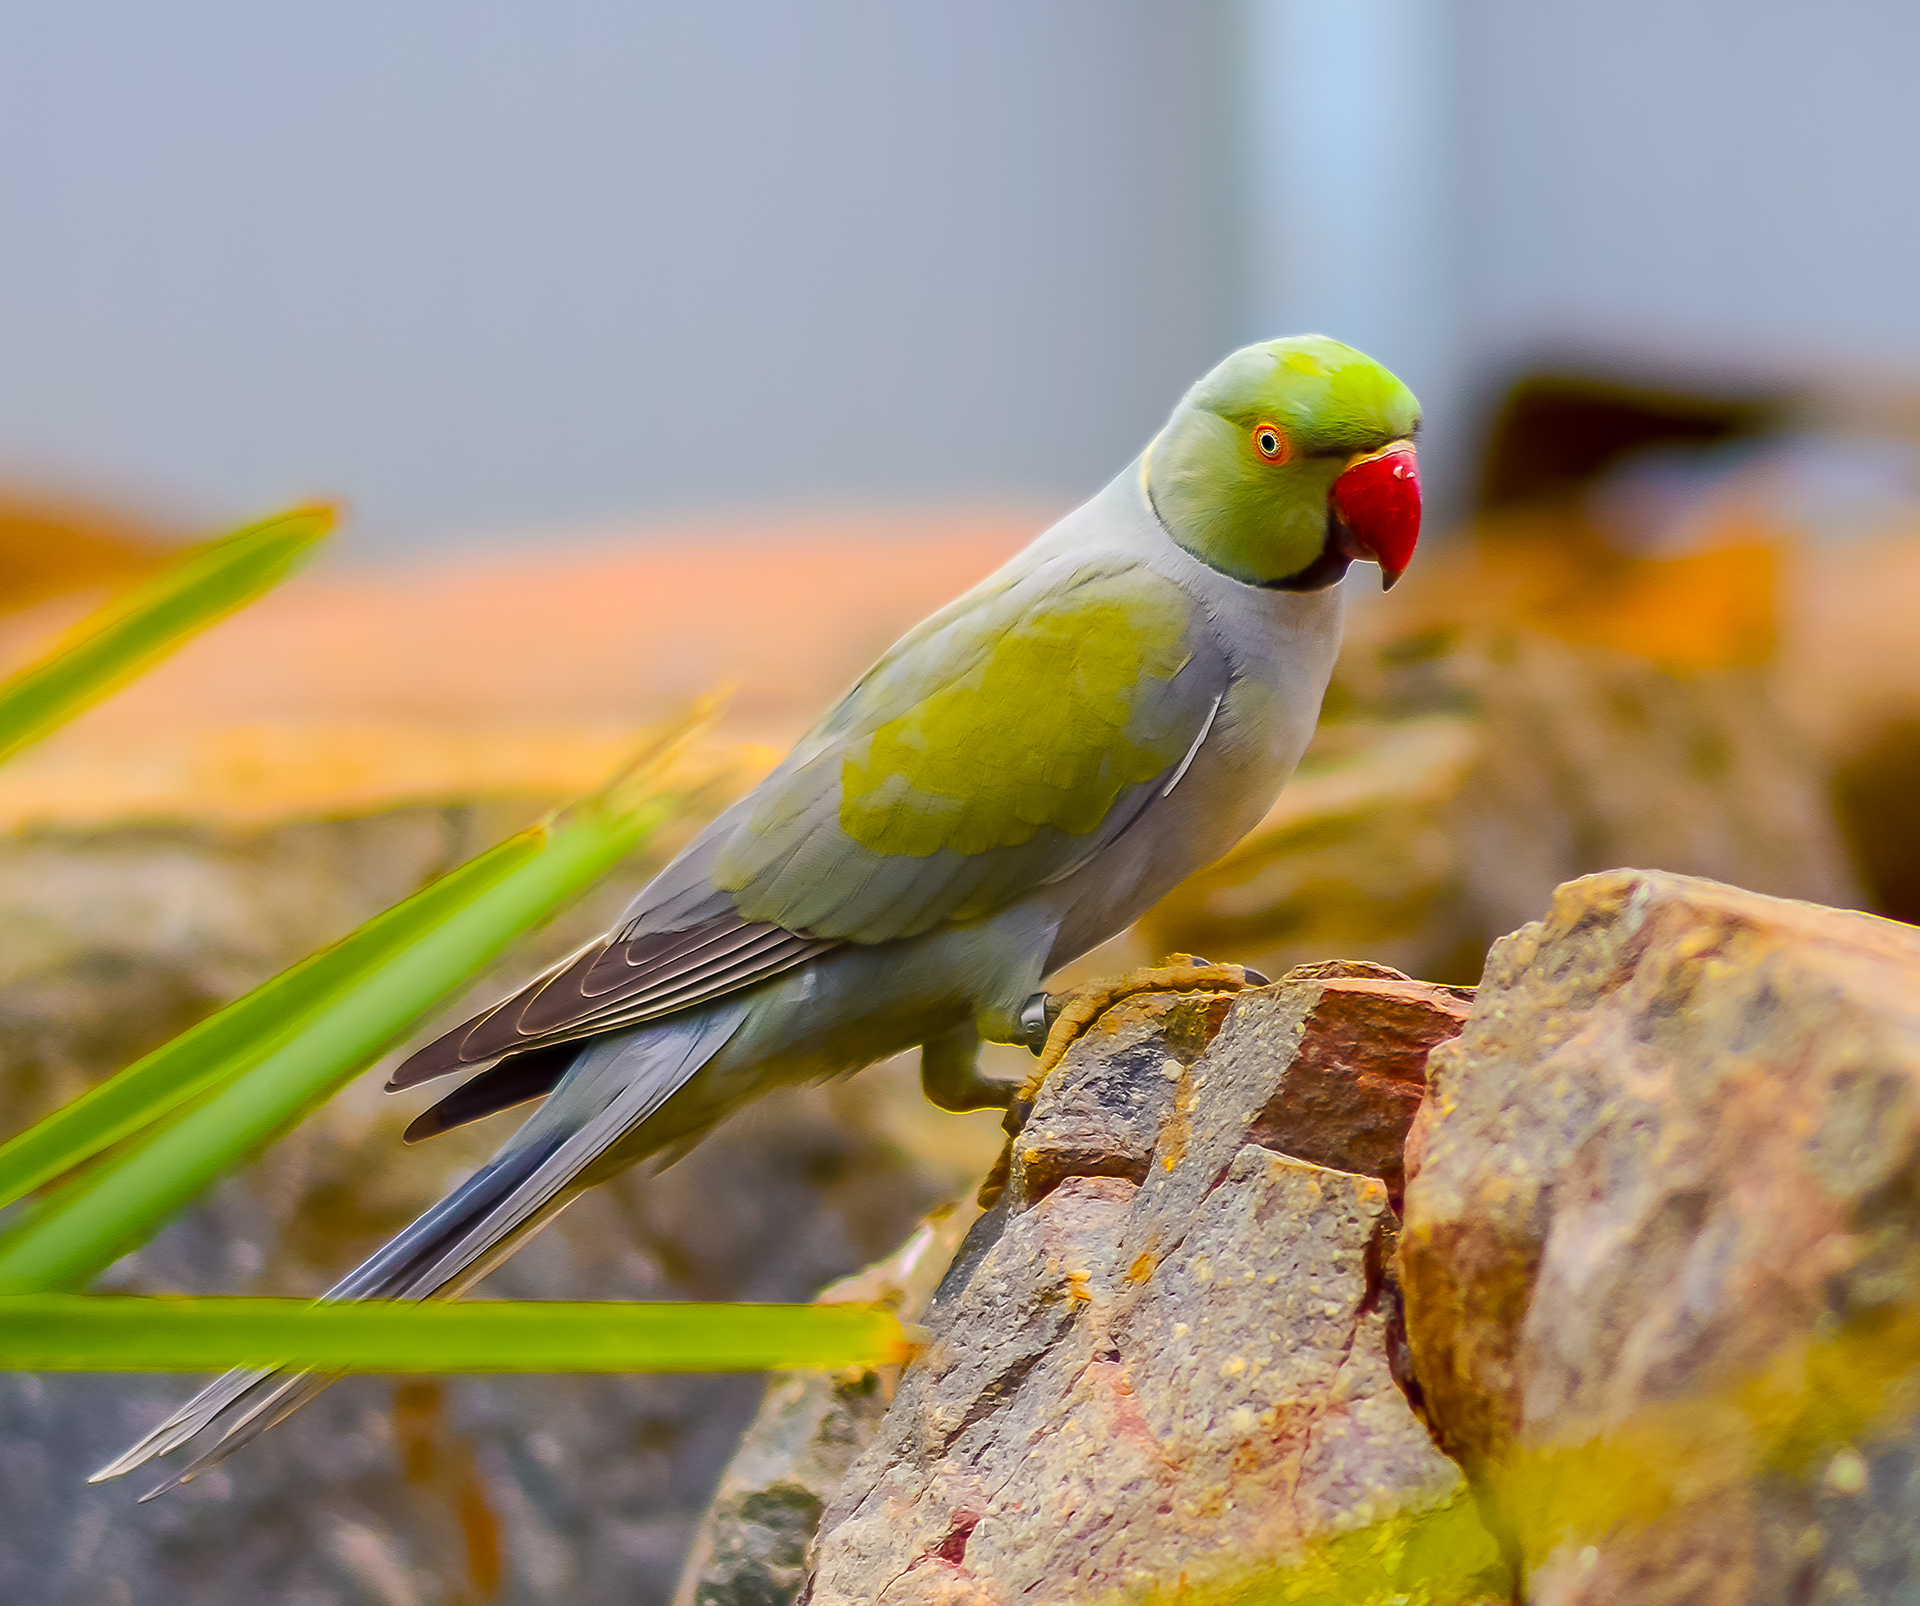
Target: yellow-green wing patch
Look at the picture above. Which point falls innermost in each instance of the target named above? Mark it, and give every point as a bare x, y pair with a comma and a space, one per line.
1043, 729
992, 749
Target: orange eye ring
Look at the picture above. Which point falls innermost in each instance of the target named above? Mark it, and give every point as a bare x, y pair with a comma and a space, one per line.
1270, 441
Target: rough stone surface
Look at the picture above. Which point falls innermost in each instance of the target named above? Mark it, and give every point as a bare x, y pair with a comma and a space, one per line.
1353, 1089
1677, 1146
752, 1546
1164, 1353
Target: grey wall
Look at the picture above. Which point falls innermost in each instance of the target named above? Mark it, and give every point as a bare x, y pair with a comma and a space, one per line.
1721, 177
481, 264
1690, 187
484, 265
1350, 192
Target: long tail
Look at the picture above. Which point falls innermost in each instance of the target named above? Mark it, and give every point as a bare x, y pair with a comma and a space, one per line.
613, 1086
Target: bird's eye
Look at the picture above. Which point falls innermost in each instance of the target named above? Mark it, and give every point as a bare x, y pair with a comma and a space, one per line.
1270, 443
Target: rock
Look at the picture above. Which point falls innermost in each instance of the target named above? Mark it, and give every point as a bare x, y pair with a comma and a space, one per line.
112, 941
1661, 1261
1357, 1080
1164, 1354
1594, 757
751, 1549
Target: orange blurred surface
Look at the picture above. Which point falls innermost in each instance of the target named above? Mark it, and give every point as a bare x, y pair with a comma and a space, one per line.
53, 542
529, 673
1837, 623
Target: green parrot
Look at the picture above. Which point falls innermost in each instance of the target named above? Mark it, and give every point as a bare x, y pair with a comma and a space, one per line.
1015, 781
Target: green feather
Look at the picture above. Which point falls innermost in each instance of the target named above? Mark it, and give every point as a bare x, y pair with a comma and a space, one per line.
983, 753
1041, 732
1256, 520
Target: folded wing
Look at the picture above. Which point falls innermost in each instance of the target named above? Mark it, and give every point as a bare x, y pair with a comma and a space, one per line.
996, 748
613, 984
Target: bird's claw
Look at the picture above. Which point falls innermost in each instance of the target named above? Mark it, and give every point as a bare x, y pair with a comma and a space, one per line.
1050, 1023
1068, 1015
1037, 1016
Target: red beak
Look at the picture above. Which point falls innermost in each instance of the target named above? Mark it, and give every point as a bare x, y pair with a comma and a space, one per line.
1378, 499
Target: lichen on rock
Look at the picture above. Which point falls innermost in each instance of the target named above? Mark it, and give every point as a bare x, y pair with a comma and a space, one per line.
1660, 1258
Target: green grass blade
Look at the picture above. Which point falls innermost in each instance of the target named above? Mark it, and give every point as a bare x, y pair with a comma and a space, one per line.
93, 1333
132, 633
82, 1228
245, 1032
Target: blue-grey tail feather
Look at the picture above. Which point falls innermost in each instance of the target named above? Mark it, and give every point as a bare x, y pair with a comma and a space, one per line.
613, 1086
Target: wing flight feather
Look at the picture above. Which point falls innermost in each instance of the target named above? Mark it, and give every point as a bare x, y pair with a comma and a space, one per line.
616, 983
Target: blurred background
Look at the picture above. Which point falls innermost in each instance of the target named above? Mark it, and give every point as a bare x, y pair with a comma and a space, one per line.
657, 348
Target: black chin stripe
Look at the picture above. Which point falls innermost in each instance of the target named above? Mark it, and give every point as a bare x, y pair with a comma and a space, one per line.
1329, 569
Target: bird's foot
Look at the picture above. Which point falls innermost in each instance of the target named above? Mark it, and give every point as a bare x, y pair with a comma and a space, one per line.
950, 1074
1052, 1022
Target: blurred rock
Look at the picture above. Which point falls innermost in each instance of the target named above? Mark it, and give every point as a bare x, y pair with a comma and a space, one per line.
1164, 1354
1773, 531
1848, 659
1593, 758
1874, 788
509, 1489
515, 1490
1671, 1163
1453, 787
111, 941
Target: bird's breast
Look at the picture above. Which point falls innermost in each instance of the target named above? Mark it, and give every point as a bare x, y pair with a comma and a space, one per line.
1279, 662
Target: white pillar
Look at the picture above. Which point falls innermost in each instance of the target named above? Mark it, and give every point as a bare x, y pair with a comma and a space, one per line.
1349, 183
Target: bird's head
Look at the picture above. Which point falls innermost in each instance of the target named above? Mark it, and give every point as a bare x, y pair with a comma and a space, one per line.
1287, 462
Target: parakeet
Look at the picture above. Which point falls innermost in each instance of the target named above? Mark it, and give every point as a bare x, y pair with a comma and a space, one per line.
1015, 781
